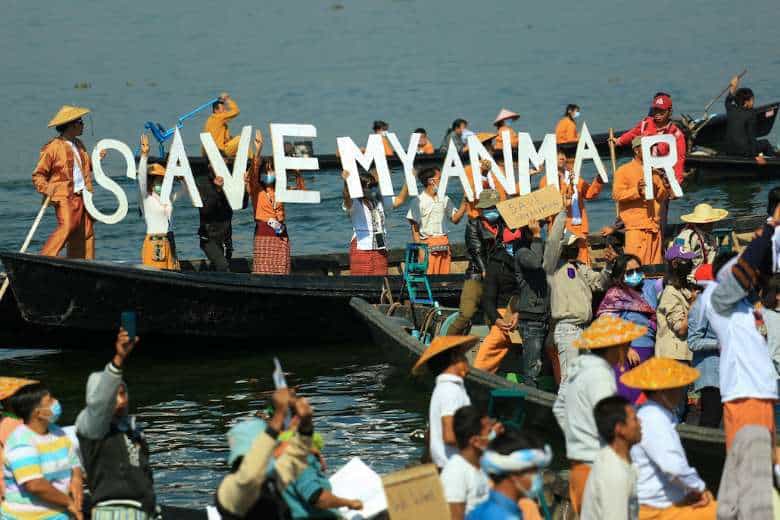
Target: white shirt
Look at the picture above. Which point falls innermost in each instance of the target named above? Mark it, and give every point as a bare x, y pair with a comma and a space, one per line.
448, 395
463, 483
610, 491
156, 214
363, 224
590, 380
665, 477
78, 175
431, 214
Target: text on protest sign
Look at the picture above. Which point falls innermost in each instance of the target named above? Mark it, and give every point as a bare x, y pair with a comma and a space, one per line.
538, 205
415, 493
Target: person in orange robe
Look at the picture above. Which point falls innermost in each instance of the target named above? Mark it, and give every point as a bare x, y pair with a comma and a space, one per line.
642, 218
223, 110
424, 147
63, 172
566, 129
502, 125
576, 191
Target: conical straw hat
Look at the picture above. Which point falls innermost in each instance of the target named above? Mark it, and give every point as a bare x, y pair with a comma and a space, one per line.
704, 214
609, 331
66, 114
156, 169
10, 385
441, 344
660, 374
505, 114
485, 136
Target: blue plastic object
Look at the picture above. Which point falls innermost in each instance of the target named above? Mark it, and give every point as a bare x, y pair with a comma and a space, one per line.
415, 274
161, 134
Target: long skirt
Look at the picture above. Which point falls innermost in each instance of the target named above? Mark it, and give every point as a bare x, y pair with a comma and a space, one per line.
439, 257
159, 251
367, 263
271, 251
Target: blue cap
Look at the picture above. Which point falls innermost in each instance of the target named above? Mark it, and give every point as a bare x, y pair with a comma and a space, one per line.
241, 436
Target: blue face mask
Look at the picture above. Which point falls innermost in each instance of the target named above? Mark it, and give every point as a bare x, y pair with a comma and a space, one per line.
269, 180
634, 279
576, 115
537, 486
56, 412
491, 215
510, 248
157, 189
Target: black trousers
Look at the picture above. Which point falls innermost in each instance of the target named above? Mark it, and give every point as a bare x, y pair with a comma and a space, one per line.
711, 407
765, 147
214, 240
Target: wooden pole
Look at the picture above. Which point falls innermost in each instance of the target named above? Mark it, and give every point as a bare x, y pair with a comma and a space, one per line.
707, 108
612, 151
27, 241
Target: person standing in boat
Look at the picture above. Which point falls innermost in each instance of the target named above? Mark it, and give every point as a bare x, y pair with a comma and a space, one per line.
455, 132
223, 110
159, 249
272, 243
641, 218
216, 215
566, 129
741, 121
697, 236
368, 246
63, 172
502, 124
428, 215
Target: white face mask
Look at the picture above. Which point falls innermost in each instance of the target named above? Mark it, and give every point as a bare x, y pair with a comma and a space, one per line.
576, 114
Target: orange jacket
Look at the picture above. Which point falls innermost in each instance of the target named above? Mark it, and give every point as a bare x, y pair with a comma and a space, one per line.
566, 131
585, 191
633, 209
54, 170
263, 198
498, 142
217, 126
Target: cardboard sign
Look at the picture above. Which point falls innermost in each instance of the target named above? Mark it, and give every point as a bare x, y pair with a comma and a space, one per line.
415, 493
537, 205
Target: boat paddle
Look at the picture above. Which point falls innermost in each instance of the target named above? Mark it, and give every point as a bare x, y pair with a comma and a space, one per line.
612, 151
707, 108
27, 240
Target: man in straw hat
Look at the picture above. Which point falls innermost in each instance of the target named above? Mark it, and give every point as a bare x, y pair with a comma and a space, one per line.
502, 125
445, 358
63, 172
696, 237
668, 487
590, 380
641, 218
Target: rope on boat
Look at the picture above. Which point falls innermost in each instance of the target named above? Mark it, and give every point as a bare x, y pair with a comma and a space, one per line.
392, 308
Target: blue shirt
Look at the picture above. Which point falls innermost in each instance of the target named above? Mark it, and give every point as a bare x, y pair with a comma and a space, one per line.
301, 494
498, 507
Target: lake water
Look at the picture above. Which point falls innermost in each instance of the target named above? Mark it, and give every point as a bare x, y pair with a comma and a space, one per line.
339, 65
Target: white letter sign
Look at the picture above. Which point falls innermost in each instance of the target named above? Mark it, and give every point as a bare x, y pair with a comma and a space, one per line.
105, 181
282, 163
351, 155
477, 152
179, 166
234, 183
587, 150
407, 159
454, 167
664, 162
526, 153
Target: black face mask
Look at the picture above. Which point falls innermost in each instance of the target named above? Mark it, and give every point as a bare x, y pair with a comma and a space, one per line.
569, 253
682, 269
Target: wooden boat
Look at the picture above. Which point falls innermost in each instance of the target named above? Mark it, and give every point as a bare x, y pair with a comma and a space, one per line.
390, 330
711, 132
708, 167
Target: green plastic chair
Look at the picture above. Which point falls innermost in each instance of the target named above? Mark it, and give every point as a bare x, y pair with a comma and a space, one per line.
507, 405
415, 274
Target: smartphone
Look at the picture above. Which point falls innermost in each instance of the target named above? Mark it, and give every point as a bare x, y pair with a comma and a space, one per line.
128, 322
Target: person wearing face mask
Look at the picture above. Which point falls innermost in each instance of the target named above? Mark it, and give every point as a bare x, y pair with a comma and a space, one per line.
566, 129
673, 307
368, 246
502, 124
428, 215
42, 472
591, 379
159, 249
667, 487
271, 253
635, 299
514, 466
455, 133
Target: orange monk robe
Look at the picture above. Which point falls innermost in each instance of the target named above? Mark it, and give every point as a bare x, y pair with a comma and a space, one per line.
498, 143
471, 205
217, 126
566, 131
426, 149
642, 218
389, 152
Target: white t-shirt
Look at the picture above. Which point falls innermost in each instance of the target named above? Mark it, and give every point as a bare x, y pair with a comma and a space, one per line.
78, 175
610, 491
462, 482
431, 214
449, 394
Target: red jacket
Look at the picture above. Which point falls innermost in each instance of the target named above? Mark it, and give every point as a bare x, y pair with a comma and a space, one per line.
647, 127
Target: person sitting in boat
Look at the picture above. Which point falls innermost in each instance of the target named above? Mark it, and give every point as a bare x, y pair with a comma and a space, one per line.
741, 121
591, 379
697, 236
667, 487
113, 447
502, 124
428, 215
381, 128
272, 243
253, 488
445, 358
223, 110
424, 146
576, 191
455, 132
659, 122
566, 129
368, 246
159, 249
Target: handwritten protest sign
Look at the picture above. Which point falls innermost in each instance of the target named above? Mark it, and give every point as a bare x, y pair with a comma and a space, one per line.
415, 493
537, 205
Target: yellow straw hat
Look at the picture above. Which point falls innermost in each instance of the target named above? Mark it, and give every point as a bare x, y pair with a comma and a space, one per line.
660, 374
505, 114
609, 331
66, 114
704, 214
10, 385
485, 136
156, 169
442, 344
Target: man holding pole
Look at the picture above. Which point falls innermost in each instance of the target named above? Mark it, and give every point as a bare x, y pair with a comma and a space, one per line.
62, 174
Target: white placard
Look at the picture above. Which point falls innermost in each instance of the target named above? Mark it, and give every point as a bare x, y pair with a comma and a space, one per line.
234, 182
179, 166
477, 152
106, 182
351, 156
664, 162
407, 159
282, 163
453, 167
586, 149
527, 154
356, 481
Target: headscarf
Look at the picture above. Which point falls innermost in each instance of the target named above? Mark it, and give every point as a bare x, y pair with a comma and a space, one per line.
493, 463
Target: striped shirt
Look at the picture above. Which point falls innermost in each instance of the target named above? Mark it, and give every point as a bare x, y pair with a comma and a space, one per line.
29, 456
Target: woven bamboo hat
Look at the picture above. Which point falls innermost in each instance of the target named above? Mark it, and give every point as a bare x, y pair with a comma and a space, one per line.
442, 344
660, 374
609, 331
10, 385
485, 136
156, 169
66, 114
704, 214
505, 114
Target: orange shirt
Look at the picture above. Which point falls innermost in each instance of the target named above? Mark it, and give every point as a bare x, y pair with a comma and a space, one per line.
263, 198
426, 149
634, 210
217, 126
566, 131
388, 147
55, 168
498, 143
585, 191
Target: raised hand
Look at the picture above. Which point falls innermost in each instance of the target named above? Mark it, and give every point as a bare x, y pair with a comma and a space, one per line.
144, 144
123, 346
